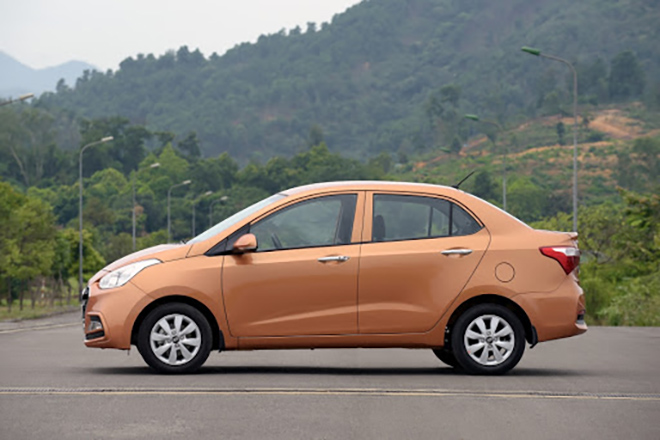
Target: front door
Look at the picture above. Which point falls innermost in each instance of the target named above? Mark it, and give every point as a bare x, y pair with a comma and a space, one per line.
303, 278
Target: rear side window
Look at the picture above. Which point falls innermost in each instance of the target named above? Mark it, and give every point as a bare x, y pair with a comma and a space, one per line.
398, 217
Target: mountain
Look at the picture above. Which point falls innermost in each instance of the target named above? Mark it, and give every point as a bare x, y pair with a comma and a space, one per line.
385, 75
18, 79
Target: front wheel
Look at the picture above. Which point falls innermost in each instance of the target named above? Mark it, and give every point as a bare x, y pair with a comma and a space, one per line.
175, 338
488, 339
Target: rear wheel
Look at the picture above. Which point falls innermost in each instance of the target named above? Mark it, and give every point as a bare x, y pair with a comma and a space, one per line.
488, 339
175, 338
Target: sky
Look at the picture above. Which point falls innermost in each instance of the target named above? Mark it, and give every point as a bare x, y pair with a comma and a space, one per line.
44, 33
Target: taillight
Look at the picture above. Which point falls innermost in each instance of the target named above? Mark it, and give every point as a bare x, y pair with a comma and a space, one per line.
567, 256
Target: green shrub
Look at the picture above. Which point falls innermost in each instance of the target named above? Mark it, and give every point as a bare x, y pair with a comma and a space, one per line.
636, 303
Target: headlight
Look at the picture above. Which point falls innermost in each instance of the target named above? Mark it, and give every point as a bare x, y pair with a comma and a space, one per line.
123, 275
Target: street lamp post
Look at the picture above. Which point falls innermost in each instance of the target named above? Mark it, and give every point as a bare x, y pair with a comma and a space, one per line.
221, 199
152, 166
504, 153
207, 193
19, 99
169, 194
80, 206
538, 53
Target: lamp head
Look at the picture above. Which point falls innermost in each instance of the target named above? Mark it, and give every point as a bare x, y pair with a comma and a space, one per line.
531, 50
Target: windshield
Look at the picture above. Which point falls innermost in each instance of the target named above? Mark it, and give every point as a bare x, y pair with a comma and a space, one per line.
241, 215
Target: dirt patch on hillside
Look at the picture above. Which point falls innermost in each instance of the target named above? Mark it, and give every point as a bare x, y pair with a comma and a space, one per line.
612, 122
616, 125
581, 147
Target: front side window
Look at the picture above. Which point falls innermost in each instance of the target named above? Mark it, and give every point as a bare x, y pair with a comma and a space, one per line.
398, 217
239, 216
324, 221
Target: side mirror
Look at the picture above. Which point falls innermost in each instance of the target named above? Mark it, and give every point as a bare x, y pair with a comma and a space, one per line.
245, 243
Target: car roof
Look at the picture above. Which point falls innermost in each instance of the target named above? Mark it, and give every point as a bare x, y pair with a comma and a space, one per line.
370, 185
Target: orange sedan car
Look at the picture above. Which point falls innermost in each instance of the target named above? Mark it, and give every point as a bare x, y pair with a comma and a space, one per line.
346, 265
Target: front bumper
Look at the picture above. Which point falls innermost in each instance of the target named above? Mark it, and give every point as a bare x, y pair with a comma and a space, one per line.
116, 310
94, 328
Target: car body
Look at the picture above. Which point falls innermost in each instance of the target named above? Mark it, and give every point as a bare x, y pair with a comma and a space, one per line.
346, 265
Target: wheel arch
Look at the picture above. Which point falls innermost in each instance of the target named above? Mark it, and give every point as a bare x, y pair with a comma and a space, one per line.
218, 338
530, 331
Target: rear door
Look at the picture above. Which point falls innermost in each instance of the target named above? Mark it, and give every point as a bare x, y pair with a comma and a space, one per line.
420, 251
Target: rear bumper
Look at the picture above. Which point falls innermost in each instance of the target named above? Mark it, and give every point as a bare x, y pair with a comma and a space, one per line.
557, 314
117, 310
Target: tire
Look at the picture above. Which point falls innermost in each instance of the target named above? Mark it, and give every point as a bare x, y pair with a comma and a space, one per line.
496, 338
166, 348
446, 356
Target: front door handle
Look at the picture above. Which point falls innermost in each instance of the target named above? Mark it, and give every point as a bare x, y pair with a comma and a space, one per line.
337, 259
457, 252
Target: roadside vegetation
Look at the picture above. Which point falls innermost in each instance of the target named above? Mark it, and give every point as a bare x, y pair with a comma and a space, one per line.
40, 310
619, 211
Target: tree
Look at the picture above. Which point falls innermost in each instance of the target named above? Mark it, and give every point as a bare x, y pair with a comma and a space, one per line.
164, 137
93, 261
124, 153
525, 199
119, 245
647, 151
456, 145
10, 201
172, 165
483, 186
382, 164
434, 108
626, 77
551, 103
190, 146
214, 174
451, 93
62, 262
593, 81
29, 246
316, 136
27, 136
561, 132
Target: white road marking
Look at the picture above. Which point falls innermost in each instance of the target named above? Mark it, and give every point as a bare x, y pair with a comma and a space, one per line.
325, 392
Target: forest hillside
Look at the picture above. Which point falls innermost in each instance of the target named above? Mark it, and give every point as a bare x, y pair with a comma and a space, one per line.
381, 75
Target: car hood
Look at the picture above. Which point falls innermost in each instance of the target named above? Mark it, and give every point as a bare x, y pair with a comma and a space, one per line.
163, 252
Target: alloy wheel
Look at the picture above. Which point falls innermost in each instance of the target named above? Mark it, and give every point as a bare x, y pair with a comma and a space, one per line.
175, 339
489, 340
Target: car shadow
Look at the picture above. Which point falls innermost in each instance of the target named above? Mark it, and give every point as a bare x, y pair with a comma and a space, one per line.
336, 371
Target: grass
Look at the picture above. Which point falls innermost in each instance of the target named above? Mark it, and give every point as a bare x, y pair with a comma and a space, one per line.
39, 311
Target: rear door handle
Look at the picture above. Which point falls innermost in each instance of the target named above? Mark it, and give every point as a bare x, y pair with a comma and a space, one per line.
338, 259
457, 252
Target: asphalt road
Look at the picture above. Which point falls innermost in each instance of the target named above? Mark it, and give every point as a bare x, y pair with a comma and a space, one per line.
602, 385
